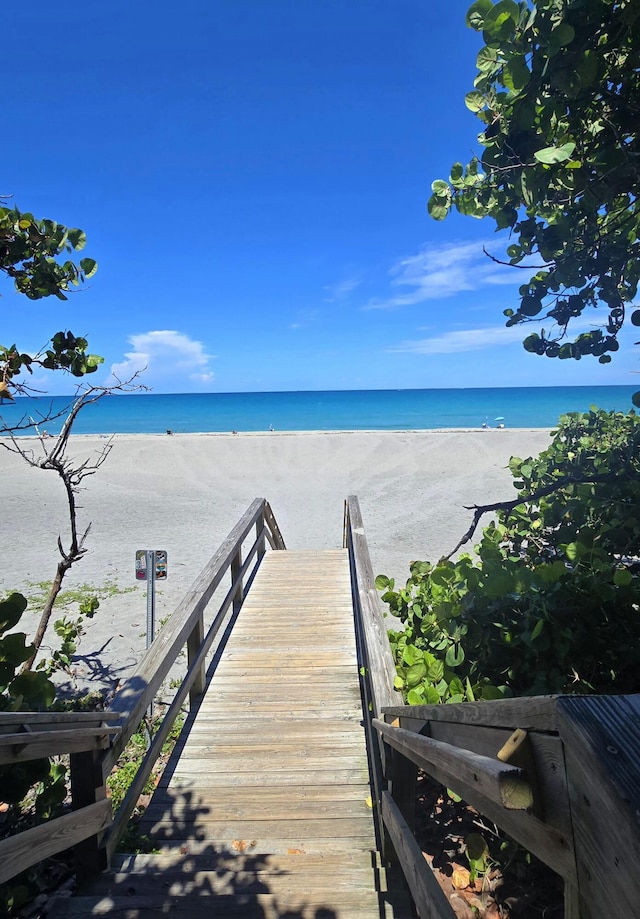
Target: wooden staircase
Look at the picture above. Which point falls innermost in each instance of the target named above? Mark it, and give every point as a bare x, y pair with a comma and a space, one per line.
265, 808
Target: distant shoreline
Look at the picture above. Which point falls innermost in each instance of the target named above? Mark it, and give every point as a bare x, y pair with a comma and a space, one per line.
304, 433
386, 411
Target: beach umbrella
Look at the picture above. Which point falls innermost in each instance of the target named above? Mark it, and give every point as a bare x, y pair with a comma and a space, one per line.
499, 418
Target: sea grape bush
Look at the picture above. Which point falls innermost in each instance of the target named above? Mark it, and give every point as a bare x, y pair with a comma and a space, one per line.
21, 692
549, 601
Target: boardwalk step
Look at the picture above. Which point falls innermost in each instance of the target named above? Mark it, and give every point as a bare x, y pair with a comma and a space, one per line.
357, 904
201, 857
264, 809
303, 879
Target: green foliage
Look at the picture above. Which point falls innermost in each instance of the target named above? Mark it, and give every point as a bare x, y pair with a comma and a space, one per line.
29, 251
69, 630
558, 93
549, 601
21, 692
34, 254
66, 353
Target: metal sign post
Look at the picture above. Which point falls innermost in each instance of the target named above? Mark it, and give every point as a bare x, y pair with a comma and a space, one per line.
151, 565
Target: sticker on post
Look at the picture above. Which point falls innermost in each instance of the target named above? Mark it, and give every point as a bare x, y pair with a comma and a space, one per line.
141, 565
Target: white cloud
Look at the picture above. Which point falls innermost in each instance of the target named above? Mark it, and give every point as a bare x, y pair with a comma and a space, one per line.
437, 272
342, 289
462, 340
165, 354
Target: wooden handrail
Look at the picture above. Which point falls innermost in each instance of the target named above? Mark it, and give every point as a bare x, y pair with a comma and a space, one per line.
139, 690
369, 609
503, 784
95, 740
559, 774
146, 766
374, 653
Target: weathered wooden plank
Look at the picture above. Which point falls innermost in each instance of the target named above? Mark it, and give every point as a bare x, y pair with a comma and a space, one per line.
291, 841
504, 784
195, 776
200, 857
55, 720
431, 903
272, 795
325, 676
382, 905
20, 852
259, 807
22, 747
269, 730
602, 739
548, 761
547, 843
209, 883
536, 713
299, 830
318, 759
382, 669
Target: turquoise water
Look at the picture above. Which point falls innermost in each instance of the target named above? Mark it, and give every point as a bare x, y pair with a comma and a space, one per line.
357, 410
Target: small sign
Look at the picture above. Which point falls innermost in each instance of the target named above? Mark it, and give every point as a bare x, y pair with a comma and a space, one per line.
141, 565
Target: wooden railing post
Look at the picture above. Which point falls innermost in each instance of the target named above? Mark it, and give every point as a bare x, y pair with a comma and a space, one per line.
88, 787
194, 643
402, 776
260, 538
236, 568
601, 737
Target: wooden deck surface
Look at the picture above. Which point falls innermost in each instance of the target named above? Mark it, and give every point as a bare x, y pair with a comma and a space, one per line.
266, 803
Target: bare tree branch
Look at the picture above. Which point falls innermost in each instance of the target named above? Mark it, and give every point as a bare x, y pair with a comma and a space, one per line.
72, 472
479, 510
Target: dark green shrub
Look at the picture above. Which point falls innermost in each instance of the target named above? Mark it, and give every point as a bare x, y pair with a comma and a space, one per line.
549, 600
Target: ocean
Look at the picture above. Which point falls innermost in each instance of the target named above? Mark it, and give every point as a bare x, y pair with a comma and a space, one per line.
352, 410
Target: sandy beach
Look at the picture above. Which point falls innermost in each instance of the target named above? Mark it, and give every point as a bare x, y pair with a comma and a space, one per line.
185, 492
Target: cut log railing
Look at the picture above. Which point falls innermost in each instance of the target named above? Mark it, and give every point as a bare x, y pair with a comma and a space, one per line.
559, 774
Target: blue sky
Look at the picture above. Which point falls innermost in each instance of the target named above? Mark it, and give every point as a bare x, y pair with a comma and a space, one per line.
252, 176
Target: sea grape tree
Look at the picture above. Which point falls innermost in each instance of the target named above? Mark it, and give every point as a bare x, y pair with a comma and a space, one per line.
35, 255
550, 599
558, 95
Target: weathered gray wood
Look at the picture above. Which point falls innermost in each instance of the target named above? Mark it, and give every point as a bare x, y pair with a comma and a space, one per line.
88, 788
504, 784
17, 853
278, 764
382, 671
428, 896
537, 713
551, 846
374, 650
194, 643
601, 735
139, 690
53, 720
548, 761
22, 747
354, 905
278, 541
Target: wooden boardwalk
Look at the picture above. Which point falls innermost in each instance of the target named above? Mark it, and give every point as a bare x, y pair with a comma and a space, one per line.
266, 803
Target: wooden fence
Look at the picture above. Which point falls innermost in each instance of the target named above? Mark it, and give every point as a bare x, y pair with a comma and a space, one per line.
96, 741
559, 775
